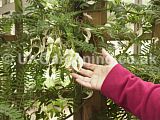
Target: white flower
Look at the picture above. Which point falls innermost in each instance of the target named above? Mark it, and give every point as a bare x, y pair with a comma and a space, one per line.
66, 80
49, 51
107, 25
69, 52
73, 60
50, 40
50, 79
58, 41
101, 28
55, 60
88, 16
91, 2
89, 35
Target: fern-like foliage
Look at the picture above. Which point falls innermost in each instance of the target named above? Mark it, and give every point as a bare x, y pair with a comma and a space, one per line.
9, 113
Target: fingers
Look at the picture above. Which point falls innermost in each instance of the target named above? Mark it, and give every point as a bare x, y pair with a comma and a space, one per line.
108, 58
89, 66
84, 81
87, 73
77, 76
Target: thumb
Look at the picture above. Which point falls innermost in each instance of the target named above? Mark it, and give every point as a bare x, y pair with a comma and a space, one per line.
108, 58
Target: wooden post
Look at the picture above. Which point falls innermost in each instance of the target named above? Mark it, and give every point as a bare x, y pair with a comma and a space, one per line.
137, 48
19, 82
157, 30
156, 33
78, 103
96, 103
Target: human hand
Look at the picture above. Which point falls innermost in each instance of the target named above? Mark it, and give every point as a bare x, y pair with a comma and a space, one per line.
92, 76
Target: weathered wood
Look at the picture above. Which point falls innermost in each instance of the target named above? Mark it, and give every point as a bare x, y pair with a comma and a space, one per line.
137, 26
93, 105
145, 36
99, 17
8, 37
157, 30
96, 103
19, 81
77, 103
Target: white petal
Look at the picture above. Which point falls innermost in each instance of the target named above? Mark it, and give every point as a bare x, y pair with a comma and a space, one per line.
75, 65
107, 25
49, 51
86, 38
80, 62
91, 2
88, 16
55, 60
50, 40
66, 52
89, 35
73, 60
58, 41
49, 83
88, 29
66, 81
68, 62
46, 73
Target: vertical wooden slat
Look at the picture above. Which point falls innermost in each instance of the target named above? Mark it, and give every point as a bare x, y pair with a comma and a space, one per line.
137, 26
157, 30
77, 103
96, 103
19, 82
93, 106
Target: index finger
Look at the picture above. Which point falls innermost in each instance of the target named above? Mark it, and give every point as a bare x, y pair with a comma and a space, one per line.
89, 66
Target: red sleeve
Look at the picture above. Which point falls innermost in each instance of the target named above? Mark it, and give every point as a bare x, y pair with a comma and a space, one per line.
133, 94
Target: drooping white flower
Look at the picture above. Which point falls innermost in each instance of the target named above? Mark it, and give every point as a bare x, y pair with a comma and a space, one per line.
66, 80
88, 34
73, 59
88, 16
49, 51
101, 28
55, 60
91, 2
58, 41
107, 25
68, 57
50, 79
50, 40
77, 62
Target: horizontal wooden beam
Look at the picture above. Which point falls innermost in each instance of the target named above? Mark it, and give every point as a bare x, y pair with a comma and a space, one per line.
7, 37
145, 36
